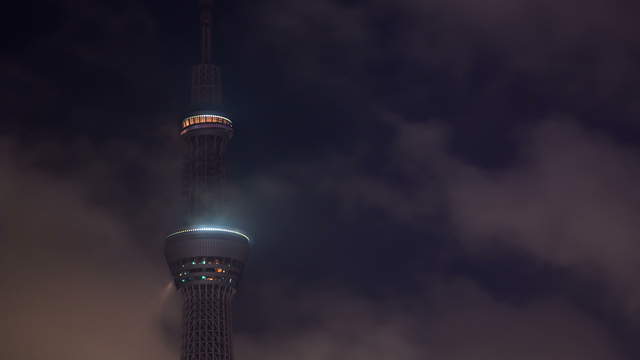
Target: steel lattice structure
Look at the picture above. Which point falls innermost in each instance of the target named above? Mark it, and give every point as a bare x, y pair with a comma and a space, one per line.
207, 322
206, 261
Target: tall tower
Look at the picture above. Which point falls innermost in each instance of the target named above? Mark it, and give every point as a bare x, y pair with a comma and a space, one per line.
205, 258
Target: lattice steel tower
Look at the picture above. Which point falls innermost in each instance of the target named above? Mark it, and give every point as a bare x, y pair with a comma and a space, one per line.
206, 259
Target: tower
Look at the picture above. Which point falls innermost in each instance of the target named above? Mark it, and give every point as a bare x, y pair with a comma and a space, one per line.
205, 259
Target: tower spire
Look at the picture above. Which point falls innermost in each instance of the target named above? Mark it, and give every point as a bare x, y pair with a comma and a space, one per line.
205, 25
206, 85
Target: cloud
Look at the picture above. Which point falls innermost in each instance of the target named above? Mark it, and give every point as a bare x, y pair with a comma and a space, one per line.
452, 320
75, 282
461, 59
570, 201
568, 198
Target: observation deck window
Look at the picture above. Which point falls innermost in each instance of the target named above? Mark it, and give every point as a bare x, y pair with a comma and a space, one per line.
205, 119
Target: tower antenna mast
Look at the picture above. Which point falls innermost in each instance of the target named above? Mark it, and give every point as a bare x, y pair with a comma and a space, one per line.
206, 8
206, 83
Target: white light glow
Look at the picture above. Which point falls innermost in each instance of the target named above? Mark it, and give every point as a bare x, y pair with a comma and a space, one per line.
210, 229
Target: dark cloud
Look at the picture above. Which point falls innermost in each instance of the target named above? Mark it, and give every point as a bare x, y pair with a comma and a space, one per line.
452, 321
571, 202
75, 282
464, 60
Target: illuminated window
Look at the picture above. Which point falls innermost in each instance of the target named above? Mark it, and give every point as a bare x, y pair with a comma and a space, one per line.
203, 119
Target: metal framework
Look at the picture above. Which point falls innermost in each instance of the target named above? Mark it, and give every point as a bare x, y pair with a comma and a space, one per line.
203, 173
207, 322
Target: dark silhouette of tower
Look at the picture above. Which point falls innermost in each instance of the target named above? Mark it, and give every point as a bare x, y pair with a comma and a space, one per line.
205, 258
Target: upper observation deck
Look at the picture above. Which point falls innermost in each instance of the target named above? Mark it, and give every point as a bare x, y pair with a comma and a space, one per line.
205, 121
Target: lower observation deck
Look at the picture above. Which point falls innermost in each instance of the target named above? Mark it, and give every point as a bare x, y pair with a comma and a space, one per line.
207, 255
207, 270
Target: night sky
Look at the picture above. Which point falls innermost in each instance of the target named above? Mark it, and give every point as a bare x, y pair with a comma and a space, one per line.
423, 179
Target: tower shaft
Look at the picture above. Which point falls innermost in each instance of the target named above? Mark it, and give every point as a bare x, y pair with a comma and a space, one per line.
203, 175
207, 322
